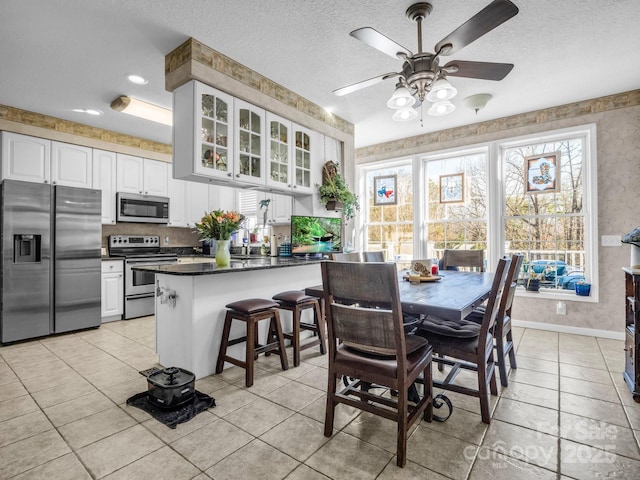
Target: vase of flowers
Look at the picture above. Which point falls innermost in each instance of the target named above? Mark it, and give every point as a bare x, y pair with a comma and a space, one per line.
219, 225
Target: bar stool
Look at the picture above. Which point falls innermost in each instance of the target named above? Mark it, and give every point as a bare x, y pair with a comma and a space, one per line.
251, 311
296, 301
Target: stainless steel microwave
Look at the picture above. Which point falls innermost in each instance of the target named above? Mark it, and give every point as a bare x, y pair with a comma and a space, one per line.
137, 208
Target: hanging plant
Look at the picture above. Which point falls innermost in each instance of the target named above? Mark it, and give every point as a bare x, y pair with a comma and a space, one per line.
335, 193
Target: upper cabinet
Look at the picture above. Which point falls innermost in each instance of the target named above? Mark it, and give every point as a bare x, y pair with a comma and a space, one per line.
141, 175
304, 144
202, 133
249, 143
71, 165
224, 140
26, 158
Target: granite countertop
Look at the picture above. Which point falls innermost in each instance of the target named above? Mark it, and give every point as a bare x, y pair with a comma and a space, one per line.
237, 265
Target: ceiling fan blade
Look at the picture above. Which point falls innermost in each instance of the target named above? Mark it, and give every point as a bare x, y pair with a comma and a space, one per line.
483, 70
364, 84
493, 15
375, 39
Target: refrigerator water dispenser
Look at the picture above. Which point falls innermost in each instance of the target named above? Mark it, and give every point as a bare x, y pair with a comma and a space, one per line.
26, 248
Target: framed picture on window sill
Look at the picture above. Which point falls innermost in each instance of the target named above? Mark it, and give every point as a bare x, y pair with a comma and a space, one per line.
452, 188
384, 190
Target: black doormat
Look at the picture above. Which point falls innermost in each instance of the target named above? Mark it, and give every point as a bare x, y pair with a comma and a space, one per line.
172, 417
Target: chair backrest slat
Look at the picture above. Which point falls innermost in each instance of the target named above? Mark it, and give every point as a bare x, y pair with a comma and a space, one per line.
346, 257
472, 259
493, 303
373, 256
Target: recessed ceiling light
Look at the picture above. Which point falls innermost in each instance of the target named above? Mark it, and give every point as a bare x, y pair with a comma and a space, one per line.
89, 111
137, 79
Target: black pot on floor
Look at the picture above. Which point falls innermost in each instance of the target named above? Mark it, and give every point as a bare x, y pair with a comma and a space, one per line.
533, 284
171, 387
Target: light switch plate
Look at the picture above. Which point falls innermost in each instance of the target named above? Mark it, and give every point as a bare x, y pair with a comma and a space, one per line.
610, 240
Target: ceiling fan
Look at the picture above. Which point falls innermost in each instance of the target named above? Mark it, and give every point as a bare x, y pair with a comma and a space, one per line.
422, 76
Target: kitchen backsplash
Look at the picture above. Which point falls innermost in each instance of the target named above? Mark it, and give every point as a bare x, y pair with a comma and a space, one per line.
177, 237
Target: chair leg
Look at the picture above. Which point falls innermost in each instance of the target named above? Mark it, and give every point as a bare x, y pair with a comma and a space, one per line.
331, 404
501, 360
225, 341
483, 393
320, 325
512, 352
401, 448
427, 390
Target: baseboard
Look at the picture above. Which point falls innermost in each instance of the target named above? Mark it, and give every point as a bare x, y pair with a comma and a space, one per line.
590, 332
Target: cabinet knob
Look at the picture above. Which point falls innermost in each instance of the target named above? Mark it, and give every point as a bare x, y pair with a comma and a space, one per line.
46, 181
237, 175
229, 174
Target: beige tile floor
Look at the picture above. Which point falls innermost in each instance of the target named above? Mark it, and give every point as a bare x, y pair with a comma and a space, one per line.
566, 414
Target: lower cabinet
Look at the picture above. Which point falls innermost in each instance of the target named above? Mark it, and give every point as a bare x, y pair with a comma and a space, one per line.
112, 290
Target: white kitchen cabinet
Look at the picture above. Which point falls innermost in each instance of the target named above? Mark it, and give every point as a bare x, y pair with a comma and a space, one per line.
249, 145
280, 208
304, 160
203, 133
141, 175
26, 158
177, 202
104, 178
222, 198
71, 165
197, 202
112, 290
292, 156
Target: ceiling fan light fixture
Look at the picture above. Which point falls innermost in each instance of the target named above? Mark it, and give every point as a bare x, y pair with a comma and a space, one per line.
439, 109
405, 114
401, 98
441, 91
142, 109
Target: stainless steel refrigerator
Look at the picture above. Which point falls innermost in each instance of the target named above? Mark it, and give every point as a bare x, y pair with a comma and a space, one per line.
51, 238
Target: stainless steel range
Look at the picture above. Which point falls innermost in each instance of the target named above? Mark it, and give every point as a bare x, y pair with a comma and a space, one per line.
139, 287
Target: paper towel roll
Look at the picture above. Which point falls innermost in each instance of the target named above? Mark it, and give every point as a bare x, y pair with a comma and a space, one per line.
635, 257
274, 246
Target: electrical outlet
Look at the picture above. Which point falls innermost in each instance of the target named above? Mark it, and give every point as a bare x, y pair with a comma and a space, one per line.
166, 240
561, 308
610, 240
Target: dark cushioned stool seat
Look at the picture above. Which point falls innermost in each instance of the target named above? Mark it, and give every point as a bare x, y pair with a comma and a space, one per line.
251, 305
296, 301
251, 311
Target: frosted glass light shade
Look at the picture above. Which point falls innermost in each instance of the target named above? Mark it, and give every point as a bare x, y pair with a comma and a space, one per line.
405, 114
439, 109
441, 90
142, 109
401, 98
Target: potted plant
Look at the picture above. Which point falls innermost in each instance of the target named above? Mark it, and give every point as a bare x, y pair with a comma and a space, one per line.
335, 193
533, 281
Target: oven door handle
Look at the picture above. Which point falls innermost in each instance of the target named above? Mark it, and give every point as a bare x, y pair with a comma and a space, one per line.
150, 262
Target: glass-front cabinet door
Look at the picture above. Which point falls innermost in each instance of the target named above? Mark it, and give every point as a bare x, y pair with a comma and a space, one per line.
303, 146
249, 143
202, 133
215, 118
279, 152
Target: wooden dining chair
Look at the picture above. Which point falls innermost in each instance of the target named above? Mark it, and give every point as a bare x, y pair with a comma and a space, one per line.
468, 259
373, 256
367, 345
465, 344
502, 332
346, 257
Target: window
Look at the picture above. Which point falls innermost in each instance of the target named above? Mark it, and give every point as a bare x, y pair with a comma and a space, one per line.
546, 183
456, 215
534, 194
390, 227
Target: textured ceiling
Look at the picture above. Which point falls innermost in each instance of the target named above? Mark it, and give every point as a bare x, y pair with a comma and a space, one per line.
57, 55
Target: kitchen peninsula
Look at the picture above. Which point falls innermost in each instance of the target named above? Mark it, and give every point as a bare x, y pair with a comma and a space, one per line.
191, 299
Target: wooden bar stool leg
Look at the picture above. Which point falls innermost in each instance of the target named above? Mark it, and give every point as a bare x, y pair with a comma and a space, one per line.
283, 354
295, 339
225, 342
250, 354
320, 325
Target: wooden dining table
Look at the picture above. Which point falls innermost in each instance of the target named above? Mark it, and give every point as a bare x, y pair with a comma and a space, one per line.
453, 296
